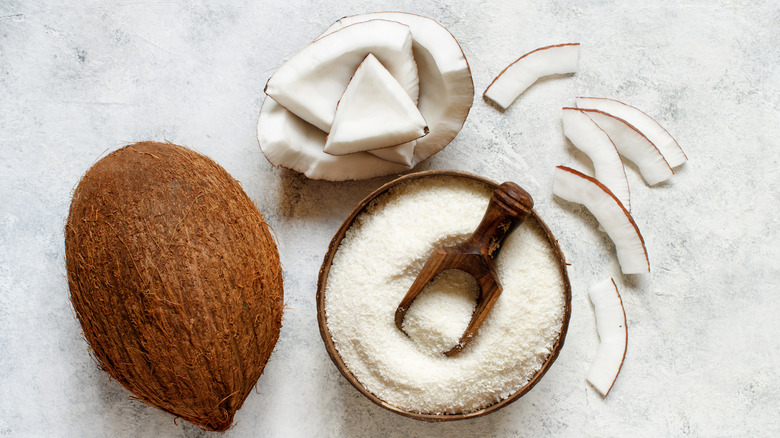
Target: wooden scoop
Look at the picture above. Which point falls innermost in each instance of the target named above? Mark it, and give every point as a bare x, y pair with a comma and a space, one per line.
507, 208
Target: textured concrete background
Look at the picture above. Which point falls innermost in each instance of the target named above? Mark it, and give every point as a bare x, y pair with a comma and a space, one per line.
80, 79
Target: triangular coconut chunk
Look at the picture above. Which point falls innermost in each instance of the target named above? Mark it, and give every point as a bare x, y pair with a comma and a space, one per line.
446, 90
374, 112
446, 93
311, 83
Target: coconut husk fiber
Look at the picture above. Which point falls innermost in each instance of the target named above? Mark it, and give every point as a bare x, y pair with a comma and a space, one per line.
175, 278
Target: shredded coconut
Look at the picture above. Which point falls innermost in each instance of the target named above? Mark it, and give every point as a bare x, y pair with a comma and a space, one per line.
376, 263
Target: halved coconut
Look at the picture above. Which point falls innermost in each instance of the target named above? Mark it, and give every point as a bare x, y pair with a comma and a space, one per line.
521, 74
374, 112
633, 145
311, 83
645, 124
446, 93
575, 186
613, 335
586, 136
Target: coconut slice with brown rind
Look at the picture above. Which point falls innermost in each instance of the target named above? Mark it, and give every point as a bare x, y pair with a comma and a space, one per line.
608, 167
523, 72
632, 144
613, 336
643, 123
311, 83
574, 186
375, 112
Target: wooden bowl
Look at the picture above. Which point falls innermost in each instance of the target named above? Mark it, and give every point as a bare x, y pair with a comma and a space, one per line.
333, 352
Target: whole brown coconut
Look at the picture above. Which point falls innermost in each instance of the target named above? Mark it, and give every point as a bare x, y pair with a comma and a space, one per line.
175, 279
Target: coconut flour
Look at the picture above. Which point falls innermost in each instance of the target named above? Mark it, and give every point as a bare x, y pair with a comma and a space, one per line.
376, 263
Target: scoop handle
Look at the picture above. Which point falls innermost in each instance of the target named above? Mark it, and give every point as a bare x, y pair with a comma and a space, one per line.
507, 207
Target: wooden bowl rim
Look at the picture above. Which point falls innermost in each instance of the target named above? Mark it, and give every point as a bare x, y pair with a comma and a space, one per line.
333, 352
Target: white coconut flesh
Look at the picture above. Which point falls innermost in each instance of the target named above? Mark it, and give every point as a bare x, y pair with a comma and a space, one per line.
522, 73
401, 154
613, 336
375, 112
287, 141
632, 144
645, 124
608, 167
311, 83
574, 186
445, 96
446, 87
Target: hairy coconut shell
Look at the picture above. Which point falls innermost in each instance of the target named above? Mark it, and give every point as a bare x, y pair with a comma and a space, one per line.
175, 279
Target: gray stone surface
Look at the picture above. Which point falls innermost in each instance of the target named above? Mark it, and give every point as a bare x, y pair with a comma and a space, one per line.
81, 78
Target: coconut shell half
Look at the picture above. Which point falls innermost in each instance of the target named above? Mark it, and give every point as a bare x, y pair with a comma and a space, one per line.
175, 278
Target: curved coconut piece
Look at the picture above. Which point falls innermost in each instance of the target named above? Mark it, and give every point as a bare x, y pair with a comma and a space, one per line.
175, 278
446, 88
633, 145
575, 186
613, 336
287, 141
311, 83
643, 123
521, 74
608, 168
374, 112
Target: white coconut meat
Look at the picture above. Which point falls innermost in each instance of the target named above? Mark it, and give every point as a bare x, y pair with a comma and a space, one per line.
287, 141
608, 167
446, 87
375, 112
645, 124
632, 144
613, 336
311, 83
445, 96
401, 154
523, 72
574, 186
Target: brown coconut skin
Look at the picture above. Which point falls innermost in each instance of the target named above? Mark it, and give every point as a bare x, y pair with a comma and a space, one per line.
175, 278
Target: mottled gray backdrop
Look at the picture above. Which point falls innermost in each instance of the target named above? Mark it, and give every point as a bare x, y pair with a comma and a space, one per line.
81, 78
